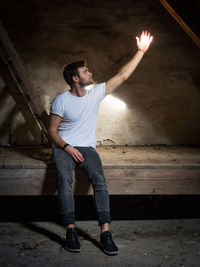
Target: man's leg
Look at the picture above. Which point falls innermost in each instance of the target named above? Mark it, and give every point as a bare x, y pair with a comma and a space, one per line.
94, 168
65, 166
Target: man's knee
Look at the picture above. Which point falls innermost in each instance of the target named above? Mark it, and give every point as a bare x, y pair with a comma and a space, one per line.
64, 180
99, 181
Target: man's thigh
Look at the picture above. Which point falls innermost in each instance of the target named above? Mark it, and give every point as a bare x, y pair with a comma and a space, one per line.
91, 158
93, 166
63, 161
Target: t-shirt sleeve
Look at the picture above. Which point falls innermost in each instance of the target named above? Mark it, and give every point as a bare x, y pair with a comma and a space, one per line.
100, 91
57, 107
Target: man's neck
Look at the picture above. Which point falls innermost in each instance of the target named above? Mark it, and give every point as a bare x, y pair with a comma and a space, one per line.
78, 91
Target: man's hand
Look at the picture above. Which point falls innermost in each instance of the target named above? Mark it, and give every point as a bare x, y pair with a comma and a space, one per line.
144, 41
143, 44
74, 153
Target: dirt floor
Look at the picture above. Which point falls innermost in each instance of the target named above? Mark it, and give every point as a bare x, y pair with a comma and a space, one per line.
141, 243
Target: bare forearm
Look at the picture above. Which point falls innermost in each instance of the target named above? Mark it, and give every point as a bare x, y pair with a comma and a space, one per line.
56, 139
124, 73
73, 152
143, 45
129, 68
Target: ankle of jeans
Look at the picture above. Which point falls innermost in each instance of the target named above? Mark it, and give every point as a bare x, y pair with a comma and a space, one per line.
68, 218
104, 217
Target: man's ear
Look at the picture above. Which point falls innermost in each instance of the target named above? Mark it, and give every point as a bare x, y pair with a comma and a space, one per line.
75, 79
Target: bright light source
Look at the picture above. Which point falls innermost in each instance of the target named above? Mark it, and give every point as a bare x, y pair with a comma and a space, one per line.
114, 102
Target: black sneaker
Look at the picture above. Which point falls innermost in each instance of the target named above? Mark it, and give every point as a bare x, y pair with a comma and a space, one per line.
72, 242
107, 243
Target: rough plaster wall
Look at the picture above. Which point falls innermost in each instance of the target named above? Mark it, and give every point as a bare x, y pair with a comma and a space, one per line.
162, 96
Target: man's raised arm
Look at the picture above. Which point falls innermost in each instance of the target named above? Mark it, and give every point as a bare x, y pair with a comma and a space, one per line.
143, 44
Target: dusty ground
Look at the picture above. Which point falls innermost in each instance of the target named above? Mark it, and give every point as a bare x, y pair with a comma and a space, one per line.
141, 243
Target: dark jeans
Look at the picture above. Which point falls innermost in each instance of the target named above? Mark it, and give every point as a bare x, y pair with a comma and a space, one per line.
65, 166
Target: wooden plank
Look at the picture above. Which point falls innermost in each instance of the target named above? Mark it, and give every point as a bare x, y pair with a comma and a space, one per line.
181, 22
154, 181
7, 174
12, 163
29, 163
175, 187
111, 174
155, 174
23, 186
34, 186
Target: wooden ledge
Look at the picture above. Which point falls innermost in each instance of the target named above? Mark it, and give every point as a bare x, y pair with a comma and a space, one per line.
128, 170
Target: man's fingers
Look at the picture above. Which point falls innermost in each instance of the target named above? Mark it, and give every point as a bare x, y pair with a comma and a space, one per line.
75, 154
74, 157
144, 40
151, 38
79, 157
145, 37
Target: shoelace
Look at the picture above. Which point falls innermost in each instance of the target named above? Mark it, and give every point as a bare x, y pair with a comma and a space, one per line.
108, 237
72, 235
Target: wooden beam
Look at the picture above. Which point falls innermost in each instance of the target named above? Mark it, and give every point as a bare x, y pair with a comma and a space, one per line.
20, 100
127, 181
17, 73
181, 22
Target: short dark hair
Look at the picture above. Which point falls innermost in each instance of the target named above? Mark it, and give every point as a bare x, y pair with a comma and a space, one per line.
71, 70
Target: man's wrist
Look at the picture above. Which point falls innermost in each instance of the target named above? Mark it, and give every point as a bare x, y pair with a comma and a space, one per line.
139, 50
65, 146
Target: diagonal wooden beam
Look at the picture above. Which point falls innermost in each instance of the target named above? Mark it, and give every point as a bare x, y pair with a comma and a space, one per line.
12, 64
20, 100
181, 22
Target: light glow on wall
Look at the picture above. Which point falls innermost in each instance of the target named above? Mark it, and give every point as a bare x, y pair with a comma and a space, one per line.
114, 102
110, 102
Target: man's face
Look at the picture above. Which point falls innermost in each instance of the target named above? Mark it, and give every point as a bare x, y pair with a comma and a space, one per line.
85, 76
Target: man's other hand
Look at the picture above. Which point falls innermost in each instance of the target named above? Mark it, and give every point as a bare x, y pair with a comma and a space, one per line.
74, 153
144, 41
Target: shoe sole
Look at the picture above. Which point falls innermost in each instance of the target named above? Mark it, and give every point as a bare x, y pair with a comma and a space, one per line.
110, 253
72, 250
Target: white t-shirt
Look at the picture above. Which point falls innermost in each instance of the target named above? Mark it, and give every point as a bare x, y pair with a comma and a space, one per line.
79, 115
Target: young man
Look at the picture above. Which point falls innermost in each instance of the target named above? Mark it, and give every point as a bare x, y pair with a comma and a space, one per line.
72, 128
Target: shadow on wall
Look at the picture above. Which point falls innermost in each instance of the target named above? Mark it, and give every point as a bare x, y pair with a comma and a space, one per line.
17, 126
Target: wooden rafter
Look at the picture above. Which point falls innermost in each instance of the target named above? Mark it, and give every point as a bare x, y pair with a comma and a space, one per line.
181, 22
14, 75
